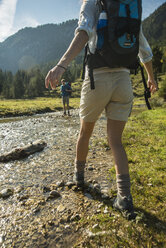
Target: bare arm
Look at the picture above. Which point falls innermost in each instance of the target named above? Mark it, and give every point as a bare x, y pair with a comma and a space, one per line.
151, 81
74, 49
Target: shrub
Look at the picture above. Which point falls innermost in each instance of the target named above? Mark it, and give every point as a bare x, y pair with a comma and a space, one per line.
162, 90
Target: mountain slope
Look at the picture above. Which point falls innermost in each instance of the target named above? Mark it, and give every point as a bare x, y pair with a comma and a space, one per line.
154, 26
150, 5
31, 46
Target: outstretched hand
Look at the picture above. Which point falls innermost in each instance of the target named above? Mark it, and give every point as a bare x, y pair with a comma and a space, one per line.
53, 77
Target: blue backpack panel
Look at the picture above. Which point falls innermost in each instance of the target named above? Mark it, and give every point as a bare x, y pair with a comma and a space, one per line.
117, 35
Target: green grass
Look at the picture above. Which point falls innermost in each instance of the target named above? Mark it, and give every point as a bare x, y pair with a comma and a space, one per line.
38, 105
53, 102
145, 143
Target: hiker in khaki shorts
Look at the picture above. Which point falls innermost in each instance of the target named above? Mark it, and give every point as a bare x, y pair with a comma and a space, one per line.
112, 93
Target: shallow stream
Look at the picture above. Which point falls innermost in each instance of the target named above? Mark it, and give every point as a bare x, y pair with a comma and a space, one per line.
29, 218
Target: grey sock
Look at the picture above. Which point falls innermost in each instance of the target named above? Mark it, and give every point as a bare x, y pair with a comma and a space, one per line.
123, 184
79, 166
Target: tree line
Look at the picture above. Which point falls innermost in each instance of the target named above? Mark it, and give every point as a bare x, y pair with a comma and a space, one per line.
30, 84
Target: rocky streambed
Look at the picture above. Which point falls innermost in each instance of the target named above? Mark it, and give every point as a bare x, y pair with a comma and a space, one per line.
39, 204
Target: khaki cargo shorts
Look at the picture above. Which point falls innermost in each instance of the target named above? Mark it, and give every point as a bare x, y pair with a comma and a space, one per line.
113, 92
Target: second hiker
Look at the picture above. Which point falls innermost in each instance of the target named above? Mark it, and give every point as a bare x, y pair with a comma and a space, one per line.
65, 92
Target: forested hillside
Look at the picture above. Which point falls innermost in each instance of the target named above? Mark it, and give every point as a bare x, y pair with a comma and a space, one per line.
46, 43
32, 46
26, 57
155, 26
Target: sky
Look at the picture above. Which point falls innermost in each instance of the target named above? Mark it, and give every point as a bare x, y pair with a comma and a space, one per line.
17, 14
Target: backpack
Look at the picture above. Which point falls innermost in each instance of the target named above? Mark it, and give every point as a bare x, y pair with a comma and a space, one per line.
117, 36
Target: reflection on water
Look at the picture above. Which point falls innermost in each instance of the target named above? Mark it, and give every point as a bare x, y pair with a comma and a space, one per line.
56, 131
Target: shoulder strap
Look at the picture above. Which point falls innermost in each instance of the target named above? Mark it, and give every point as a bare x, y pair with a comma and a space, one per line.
85, 61
147, 93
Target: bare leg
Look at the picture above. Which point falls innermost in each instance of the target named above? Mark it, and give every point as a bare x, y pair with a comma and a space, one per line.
68, 108
82, 151
86, 130
115, 130
64, 109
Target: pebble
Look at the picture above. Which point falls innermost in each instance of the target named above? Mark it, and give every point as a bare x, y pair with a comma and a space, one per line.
5, 193
54, 195
60, 184
46, 189
95, 226
67, 226
70, 184
1, 238
61, 208
22, 197
106, 210
75, 217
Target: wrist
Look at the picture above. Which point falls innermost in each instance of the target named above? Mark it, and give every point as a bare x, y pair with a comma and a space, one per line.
61, 66
151, 79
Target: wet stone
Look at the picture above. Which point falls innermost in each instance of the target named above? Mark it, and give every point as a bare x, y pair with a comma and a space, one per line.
95, 226
70, 184
75, 188
5, 193
60, 184
46, 189
18, 189
54, 195
75, 217
61, 208
22, 197
36, 210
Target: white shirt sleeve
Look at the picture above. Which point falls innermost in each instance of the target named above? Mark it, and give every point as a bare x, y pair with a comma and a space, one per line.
87, 18
145, 52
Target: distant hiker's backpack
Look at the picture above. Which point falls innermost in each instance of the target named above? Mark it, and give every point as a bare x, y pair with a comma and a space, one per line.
117, 36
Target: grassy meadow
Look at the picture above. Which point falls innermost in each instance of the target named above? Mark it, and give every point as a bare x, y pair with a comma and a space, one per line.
9, 108
20, 107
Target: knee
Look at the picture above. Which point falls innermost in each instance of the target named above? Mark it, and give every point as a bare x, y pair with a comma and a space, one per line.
115, 143
85, 133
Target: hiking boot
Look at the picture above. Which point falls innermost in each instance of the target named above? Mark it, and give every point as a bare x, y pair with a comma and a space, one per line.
78, 178
125, 205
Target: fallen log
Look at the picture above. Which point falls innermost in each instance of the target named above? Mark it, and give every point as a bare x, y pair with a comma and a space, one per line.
23, 152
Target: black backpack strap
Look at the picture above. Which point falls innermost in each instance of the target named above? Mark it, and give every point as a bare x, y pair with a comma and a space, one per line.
90, 68
92, 82
147, 93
